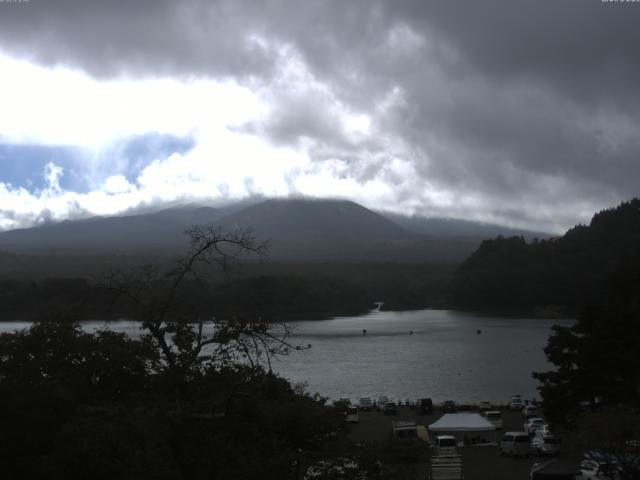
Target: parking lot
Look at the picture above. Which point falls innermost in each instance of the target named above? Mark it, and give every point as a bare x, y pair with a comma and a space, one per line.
480, 462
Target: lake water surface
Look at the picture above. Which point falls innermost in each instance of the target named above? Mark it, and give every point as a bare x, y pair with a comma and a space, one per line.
444, 358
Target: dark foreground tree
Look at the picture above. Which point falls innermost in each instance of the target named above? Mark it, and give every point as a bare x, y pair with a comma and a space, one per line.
595, 389
189, 399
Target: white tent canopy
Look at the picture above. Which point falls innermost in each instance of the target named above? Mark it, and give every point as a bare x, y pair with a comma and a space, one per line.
467, 428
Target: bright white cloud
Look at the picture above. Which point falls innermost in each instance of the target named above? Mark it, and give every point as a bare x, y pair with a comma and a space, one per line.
65, 107
228, 161
291, 133
117, 184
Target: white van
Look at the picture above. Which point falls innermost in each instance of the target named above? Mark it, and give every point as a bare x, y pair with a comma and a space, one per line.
494, 417
446, 445
516, 444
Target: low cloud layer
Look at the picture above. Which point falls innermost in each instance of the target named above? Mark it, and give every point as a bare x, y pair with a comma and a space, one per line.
519, 112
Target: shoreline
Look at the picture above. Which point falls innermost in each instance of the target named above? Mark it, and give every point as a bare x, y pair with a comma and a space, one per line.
508, 313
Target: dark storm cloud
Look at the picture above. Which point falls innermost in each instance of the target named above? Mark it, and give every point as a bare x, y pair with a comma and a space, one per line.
530, 108
589, 47
134, 37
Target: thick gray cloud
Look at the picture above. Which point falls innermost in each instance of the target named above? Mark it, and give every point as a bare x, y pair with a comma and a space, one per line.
525, 110
589, 47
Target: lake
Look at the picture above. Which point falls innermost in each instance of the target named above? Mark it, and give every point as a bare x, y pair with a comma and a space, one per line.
444, 358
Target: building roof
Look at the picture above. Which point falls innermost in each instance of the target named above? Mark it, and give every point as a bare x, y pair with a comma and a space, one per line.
463, 422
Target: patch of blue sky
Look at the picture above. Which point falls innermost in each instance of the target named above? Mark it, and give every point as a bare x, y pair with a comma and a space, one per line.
23, 165
134, 154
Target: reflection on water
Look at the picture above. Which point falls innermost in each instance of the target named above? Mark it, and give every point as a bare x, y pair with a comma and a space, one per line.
424, 353
444, 358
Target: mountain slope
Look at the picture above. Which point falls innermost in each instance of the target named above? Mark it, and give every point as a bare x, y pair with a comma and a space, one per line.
305, 218
298, 230
159, 230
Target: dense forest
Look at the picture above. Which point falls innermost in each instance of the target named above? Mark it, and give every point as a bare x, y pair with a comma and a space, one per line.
564, 272
274, 291
592, 395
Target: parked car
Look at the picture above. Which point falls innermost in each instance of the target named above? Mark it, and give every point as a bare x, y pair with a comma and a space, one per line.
449, 406
516, 444
545, 443
338, 468
485, 406
365, 404
390, 408
426, 406
555, 469
352, 415
533, 424
516, 403
632, 446
592, 469
529, 411
494, 417
446, 445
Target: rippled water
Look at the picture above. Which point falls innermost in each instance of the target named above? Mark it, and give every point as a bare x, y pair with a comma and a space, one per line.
444, 358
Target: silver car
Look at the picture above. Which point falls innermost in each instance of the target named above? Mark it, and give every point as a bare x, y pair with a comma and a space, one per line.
545, 443
533, 424
529, 411
516, 403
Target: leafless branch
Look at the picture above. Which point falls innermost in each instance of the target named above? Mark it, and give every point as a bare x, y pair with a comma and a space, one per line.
182, 341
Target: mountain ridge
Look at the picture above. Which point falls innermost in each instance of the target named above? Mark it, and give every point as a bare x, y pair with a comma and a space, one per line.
300, 229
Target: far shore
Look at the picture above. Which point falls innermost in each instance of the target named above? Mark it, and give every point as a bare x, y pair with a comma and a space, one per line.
545, 313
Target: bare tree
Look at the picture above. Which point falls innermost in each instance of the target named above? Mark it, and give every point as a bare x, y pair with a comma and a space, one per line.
187, 343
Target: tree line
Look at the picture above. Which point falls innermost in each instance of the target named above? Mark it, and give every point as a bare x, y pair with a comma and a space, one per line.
275, 291
566, 272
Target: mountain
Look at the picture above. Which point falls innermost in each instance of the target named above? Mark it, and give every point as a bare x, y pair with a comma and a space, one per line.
301, 219
155, 232
568, 271
162, 230
298, 230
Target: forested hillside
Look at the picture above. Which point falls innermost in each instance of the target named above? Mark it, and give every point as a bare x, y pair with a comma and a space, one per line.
563, 272
269, 290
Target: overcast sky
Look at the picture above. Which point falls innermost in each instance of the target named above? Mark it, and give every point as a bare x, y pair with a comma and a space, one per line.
524, 113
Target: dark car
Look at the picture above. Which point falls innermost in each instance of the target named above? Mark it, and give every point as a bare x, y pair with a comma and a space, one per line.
426, 406
449, 406
390, 409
